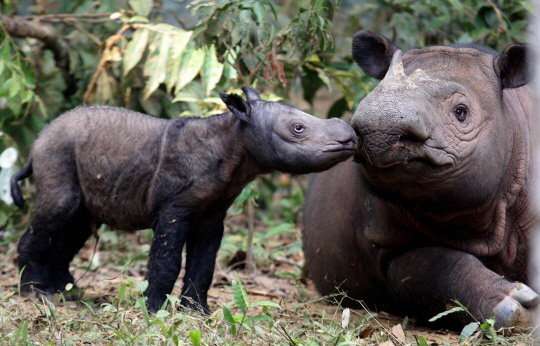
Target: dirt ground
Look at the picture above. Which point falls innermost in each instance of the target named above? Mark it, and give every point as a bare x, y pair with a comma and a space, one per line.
103, 284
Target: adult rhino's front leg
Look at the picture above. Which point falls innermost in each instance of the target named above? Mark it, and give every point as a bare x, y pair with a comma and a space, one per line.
425, 280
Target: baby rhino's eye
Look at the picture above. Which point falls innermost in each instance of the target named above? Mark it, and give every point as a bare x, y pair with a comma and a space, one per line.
298, 128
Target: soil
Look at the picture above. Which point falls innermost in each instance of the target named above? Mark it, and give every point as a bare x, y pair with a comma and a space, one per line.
102, 285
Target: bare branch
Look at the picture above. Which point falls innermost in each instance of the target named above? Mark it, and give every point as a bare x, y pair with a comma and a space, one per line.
111, 41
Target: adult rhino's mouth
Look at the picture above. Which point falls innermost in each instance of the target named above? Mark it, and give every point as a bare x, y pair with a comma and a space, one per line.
386, 154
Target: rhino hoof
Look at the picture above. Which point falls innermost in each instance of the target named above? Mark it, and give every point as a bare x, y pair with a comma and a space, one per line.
515, 310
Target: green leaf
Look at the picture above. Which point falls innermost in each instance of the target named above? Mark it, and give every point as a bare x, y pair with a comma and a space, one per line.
122, 292
142, 7
243, 290
238, 297
18, 332
192, 61
141, 285
258, 318
468, 330
136, 19
488, 324
447, 312
458, 5
6, 50
195, 337
159, 73
212, 70
141, 303
250, 190
14, 86
29, 77
421, 341
258, 9
284, 228
338, 108
135, 49
263, 303
229, 319
186, 96
175, 57
162, 313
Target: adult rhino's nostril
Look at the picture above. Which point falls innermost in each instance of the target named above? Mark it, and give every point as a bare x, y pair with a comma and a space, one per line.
408, 139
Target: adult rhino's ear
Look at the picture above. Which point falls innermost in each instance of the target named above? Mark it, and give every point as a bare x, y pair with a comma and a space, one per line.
237, 105
513, 67
251, 94
373, 53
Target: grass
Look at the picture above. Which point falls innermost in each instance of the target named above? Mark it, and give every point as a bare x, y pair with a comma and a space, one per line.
282, 310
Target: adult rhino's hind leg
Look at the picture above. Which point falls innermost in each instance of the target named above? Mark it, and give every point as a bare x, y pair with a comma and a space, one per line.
59, 229
427, 279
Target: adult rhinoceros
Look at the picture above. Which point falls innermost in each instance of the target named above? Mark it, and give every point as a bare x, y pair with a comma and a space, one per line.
437, 208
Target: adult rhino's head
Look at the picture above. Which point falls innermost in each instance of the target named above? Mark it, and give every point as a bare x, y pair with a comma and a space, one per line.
284, 138
440, 125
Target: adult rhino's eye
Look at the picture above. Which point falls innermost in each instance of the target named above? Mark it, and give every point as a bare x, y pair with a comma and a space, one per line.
461, 112
298, 128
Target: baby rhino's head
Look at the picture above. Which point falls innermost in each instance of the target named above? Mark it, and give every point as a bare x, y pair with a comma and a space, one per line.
284, 138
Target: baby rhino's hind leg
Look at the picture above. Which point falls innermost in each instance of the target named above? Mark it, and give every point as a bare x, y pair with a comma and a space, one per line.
59, 229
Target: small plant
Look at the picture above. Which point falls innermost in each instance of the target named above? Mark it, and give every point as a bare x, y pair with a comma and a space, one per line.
243, 304
474, 330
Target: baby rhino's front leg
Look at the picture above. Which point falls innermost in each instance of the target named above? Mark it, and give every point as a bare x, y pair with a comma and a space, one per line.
425, 280
202, 247
171, 229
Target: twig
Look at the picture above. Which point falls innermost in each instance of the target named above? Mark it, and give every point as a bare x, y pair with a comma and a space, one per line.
88, 34
69, 15
111, 41
261, 293
501, 27
251, 217
239, 70
70, 21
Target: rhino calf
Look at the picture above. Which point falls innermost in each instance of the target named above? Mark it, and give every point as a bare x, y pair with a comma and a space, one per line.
96, 165
438, 207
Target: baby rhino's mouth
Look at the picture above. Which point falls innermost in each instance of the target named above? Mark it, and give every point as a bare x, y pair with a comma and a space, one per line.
341, 146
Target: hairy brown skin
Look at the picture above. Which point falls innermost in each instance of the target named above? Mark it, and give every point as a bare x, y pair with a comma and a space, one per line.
97, 165
438, 207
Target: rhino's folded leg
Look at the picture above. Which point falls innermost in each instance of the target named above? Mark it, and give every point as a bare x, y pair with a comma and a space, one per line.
165, 259
427, 279
202, 247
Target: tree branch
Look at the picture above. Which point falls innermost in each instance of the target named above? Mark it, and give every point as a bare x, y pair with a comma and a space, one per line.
18, 27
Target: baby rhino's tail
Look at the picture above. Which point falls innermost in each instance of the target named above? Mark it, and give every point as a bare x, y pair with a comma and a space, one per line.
15, 190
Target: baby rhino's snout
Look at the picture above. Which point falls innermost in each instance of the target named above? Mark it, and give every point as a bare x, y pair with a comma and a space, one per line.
342, 133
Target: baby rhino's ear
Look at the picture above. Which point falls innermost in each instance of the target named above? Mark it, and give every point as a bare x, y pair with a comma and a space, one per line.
251, 94
237, 105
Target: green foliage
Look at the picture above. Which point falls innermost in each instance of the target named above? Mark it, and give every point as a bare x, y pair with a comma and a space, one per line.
474, 330
413, 23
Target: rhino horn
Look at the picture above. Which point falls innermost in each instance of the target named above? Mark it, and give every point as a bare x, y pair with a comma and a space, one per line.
395, 71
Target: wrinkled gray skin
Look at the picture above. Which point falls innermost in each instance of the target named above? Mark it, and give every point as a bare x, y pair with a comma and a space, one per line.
438, 207
99, 164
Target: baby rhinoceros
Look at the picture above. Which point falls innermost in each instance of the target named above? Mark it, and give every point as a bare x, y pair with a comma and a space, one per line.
105, 165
